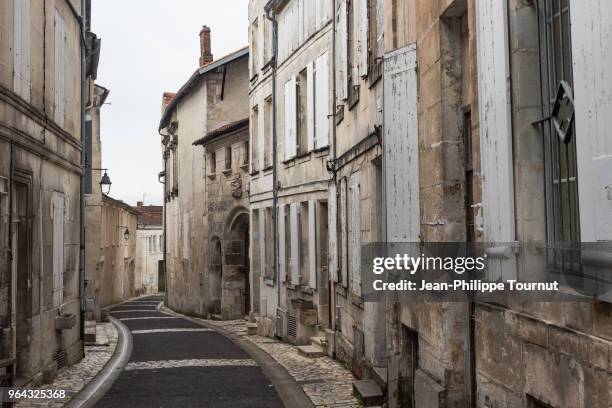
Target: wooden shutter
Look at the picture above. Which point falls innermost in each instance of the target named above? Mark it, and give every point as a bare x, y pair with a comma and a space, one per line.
496, 132
290, 119
282, 260
364, 30
343, 233
401, 146
59, 68
341, 53
57, 203
22, 26
312, 244
310, 105
322, 101
261, 29
295, 244
332, 219
355, 235
591, 36
262, 242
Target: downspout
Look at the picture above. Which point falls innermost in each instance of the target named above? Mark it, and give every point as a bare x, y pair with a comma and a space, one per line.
82, 184
165, 230
273, 60
332, 285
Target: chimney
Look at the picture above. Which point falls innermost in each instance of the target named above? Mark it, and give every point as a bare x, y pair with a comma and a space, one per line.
206, 56
139, 204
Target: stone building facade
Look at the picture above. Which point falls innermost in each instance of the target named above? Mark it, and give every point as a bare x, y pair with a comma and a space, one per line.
214, 95
150, 277
226, 157
40, 173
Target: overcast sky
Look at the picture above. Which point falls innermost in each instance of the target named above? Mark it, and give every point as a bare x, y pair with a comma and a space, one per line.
148, 47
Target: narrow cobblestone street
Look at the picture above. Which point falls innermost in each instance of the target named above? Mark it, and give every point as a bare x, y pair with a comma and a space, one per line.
177, 363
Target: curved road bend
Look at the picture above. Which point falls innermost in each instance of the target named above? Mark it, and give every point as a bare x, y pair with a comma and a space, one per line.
177, 363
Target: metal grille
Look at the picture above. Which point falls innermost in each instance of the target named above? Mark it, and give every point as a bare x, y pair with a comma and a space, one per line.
61, 358
563, 234
291, 326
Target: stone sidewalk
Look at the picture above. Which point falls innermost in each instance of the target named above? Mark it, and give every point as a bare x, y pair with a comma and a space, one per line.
74, 378
324, 380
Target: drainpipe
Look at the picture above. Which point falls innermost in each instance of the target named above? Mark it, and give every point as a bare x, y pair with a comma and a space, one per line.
273, 60
334, 175
165, 216
81, 21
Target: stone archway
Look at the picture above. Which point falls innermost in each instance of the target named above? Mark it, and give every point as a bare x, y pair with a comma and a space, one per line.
216, 276
236, 283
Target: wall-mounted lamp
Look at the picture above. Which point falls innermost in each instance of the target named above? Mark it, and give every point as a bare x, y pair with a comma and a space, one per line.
126, 233
105, 182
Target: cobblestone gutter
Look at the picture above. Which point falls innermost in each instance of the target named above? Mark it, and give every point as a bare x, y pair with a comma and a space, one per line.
74, 378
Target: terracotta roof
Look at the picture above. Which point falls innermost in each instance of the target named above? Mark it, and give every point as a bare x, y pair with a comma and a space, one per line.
150, 214
222, 130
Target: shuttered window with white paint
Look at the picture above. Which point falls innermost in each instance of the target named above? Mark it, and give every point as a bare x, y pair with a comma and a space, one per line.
591, 37
355, 237
290, 118
343, 233
262, 242
321, 96
22, 25
312, 244
496, 132
310, 105
332, 217
295, 243
59, 86
282, 257
261, 136
341, 53
57, 203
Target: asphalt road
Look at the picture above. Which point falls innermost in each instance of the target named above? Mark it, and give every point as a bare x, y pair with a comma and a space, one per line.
178, 363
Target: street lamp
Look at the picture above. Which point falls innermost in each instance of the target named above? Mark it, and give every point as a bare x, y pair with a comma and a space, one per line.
105, 182
126, 233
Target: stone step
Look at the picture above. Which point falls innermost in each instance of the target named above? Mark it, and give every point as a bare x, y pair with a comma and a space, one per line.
319, 341
379, 374
311, 351
368, 392
251, 328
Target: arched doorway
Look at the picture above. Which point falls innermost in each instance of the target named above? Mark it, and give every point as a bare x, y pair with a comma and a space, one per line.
216, 275
237, 265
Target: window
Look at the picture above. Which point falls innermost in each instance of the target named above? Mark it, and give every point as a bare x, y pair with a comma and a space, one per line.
228, 158
267, 132
161, 243
290, 124
21, 48
59, 67
154, 246
254, 47
269, 249
255, 139
562, 217
352, 30
212, 158
58, 248
535, 403
374, 58
302, 112
245, 155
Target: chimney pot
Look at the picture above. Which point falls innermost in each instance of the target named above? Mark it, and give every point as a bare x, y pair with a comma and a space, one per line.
206, 56
139, 204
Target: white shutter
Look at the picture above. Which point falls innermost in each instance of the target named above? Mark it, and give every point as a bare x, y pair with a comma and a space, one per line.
496, 131
401, 146
290, 119
295, 244
261, 136
591, 36
261, 29
282, 260
57, 205
341, 53
363, 33
359, 47
343, 233
186, 235
355, 235
59, 68
310, 105
332, 219
312, 244
301, 21
262, 242
22, 26
322, 101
